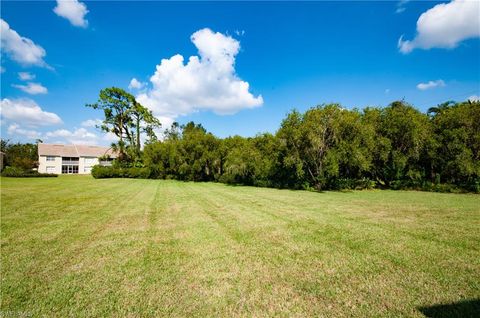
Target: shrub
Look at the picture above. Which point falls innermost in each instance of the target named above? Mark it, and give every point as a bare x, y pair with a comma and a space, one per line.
137, 173
100, 172
20, 173
351, 184
365, 184
429, 186
473, 185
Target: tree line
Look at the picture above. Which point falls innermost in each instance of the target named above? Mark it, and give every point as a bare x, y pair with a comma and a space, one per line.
325, 147
19, 155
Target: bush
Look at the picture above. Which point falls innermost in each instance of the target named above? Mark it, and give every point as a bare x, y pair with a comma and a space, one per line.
20, 173
137, 173
472, 186
103, 172
100, 172
351, 184
429, 186
365, 184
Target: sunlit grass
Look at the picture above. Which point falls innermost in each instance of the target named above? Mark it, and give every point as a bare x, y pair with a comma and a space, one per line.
75, 246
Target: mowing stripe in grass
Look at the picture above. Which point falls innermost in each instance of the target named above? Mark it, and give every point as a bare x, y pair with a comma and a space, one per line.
148, 248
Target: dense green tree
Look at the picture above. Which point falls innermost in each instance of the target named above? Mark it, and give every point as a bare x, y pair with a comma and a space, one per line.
354, 144
372, 118
457, 131
291, 172
198, 152
19, 155
409, 132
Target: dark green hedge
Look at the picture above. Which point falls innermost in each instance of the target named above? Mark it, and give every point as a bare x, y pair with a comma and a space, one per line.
20, 173
100, 172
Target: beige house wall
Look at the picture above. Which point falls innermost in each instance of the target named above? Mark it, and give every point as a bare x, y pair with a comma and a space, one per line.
85, 164
43, 164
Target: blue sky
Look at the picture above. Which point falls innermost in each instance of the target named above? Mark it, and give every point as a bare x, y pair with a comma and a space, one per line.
292, 55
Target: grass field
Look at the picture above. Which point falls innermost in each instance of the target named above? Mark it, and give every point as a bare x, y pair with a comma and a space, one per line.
75, 246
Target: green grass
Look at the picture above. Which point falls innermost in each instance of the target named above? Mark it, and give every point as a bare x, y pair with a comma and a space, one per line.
75, 246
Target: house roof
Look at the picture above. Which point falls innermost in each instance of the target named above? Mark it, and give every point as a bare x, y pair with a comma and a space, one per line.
74, 150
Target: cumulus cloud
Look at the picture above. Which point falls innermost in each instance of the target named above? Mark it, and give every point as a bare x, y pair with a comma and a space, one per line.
445, 26
72, 10
205, 82
135, 84
78, 136
21, 49
110, 137
81, 136
474, 98
26, 76
431, 84
32, 88
91, 122
16, 130
27, 112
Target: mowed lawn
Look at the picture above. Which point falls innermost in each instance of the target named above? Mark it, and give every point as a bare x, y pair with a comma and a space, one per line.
76, 246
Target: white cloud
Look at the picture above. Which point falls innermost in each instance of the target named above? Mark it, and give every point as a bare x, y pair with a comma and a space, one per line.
27, 112
110, 137
401, 6
32, 88
240, 32
474, 98
431, 84
135, 84
21, 49
445, 26
14, 129
77, 136
26, 76
205, 82
91, 122
72, 10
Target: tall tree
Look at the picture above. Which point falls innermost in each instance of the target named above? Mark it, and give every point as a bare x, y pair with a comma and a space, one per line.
116, 105
126, 118
143, 121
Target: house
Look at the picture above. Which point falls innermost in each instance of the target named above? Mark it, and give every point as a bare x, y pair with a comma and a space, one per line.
69, 159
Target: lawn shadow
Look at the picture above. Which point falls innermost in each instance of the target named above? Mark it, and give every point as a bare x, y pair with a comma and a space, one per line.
465, 308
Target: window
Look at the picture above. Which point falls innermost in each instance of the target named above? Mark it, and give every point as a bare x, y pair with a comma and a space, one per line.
68, 169
90, 161
70, 160
50, 169
106, 162
50, 158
